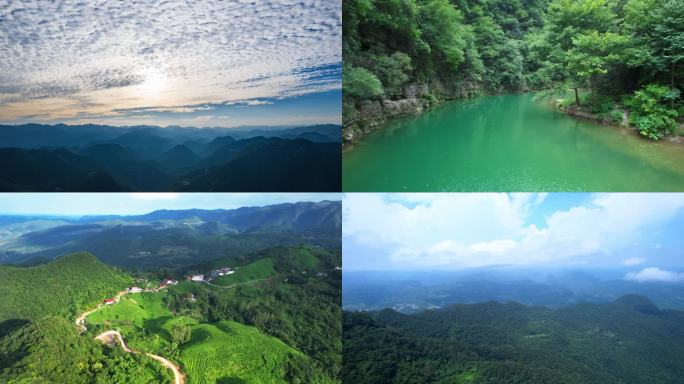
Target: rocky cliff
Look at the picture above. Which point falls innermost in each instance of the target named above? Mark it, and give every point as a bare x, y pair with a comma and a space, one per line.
368, 115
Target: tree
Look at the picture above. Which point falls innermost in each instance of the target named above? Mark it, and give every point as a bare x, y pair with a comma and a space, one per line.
568, 18
591, 55
657, 29
359, 82
181, 334
443, 30
393, 71
570, 28
666, 38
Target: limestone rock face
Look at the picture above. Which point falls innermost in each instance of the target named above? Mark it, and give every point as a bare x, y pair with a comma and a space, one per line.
416, 90
370, 110
411, 99
403, 107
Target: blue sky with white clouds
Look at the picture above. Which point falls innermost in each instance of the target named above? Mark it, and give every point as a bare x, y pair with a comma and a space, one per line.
171, 62
79, 204
641, 232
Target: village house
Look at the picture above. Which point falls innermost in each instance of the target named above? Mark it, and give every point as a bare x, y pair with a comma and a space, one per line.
170, 282
109, 301
222, 272
134, 290
198, 277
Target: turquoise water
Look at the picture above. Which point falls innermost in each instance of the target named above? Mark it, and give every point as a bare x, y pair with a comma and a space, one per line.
508, 143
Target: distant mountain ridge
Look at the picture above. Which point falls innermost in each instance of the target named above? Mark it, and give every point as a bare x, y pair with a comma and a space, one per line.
92, 158
364, 291
175, 238
63, 135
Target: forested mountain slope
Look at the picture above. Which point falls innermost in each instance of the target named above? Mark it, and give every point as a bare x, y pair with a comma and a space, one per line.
62, 287
627, 341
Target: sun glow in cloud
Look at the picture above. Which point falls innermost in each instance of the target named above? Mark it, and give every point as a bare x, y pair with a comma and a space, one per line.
102, 62
155, 83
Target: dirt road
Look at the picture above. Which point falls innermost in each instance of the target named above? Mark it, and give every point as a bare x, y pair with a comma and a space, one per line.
114, 337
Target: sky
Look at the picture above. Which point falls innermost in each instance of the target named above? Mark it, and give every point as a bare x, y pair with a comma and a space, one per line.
641, 233
207, 63
80, 204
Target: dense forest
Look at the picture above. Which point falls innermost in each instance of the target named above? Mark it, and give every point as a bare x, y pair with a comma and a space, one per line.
598, 58
627, 341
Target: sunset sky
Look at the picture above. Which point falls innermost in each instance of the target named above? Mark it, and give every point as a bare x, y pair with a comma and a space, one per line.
171, 62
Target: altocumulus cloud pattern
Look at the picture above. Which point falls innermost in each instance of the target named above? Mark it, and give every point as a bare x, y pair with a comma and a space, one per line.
81, 59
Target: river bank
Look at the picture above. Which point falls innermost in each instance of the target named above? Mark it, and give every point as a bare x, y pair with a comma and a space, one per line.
574, 112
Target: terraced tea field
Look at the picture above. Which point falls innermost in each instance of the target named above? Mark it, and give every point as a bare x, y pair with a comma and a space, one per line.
223, 352
132, 309
228, 351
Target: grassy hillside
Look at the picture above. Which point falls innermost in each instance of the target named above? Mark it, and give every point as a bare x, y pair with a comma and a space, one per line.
132, 309
63, 287
257, 270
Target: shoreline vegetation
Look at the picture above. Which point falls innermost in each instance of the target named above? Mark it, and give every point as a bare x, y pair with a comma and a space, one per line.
601, 58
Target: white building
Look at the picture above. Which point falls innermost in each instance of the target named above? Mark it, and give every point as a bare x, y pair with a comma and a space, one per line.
199, 277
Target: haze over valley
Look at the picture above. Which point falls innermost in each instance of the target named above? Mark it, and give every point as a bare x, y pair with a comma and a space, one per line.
515, 288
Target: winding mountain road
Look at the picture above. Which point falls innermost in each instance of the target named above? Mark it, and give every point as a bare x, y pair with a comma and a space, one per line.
113, 337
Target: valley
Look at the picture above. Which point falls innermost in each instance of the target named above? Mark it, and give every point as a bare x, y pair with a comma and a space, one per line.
267, 312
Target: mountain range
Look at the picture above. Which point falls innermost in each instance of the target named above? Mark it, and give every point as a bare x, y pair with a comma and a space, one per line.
416, 292
36, 157
170, 238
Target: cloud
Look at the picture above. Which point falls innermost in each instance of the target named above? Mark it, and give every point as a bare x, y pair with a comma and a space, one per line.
476, 230
653, 274
172, 53
634, 261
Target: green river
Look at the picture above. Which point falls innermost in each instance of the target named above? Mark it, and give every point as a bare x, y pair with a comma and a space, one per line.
508, 143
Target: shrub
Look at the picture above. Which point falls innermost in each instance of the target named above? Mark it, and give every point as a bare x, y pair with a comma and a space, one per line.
652, 110
602, 105
616, 117
393, 71
359, 82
